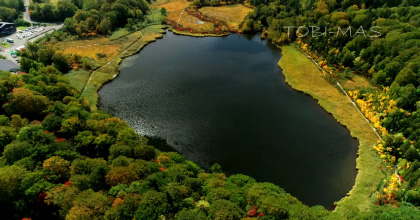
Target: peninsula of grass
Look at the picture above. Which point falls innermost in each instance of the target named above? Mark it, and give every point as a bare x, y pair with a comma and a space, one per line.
192, 34
303, 75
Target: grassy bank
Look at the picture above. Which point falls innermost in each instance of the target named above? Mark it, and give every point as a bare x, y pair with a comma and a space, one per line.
302, 74
197, 34
90, 82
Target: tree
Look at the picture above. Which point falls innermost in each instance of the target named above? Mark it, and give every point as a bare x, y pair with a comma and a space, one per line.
130, 24
224, 209
163, 11
152, 205
405, 76
121, 175
10, 177
60, 61
56, 165
190, 214
45, 55
105, 26
144, 152
16, 151
89, 205
27, 103
117, 150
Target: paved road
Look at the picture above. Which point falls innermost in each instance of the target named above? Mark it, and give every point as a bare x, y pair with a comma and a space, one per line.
18, 42
26, 13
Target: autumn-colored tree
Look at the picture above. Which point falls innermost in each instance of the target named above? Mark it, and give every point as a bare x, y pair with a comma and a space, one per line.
27, 103
119, 175
56, 165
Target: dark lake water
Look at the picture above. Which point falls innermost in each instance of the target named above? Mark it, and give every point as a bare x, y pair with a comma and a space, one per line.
224, 100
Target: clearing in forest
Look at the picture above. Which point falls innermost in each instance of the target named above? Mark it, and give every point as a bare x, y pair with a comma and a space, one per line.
184, 17
91, 48
233, 15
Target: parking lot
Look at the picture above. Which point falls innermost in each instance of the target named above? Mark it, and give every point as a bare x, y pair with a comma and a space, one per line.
21, 37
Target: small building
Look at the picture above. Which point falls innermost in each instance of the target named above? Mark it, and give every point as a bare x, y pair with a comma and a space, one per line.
7, 28
8, 65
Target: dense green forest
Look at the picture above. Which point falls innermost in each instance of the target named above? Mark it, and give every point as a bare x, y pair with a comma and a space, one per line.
11, 11
97, 15
391, 61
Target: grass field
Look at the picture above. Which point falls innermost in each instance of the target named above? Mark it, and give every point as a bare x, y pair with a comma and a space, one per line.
357, 82
21, 28
195, 25
78, 78
90, 48
174, 9
302, 74
233, 15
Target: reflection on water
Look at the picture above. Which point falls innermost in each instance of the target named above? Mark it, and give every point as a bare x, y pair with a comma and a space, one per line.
224, 100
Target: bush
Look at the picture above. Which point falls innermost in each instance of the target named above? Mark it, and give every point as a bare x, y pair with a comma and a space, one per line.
144, 152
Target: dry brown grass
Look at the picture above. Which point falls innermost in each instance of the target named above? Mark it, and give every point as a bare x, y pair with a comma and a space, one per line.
233, 15
358, 82
174, 9
89, 48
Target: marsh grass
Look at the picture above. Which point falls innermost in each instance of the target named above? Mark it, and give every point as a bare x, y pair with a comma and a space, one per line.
302, 74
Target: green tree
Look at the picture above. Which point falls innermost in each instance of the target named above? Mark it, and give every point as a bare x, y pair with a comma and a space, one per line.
10, 177
224, 209
152, 205
16, 151
60, 61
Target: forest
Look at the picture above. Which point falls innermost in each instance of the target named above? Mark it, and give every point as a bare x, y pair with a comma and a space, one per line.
391, 62
10, 10
61, 159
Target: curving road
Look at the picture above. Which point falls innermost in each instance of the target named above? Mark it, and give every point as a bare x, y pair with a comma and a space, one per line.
26, 13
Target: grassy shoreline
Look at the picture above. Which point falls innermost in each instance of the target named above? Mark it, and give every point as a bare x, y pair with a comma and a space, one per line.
197, 34
130, 45
302, 74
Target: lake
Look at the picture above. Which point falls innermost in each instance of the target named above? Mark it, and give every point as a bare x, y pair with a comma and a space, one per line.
224, 100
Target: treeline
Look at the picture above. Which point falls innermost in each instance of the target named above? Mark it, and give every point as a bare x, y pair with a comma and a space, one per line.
47, 12
90, 17
103, 16
9, 9
36, 56
391, 59
202, 3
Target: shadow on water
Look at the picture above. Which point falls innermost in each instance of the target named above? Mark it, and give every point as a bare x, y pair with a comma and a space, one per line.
160, 144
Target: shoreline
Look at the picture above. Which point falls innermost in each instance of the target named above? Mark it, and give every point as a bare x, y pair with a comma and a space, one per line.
366, 179
109, 71
301, 76
197, 34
